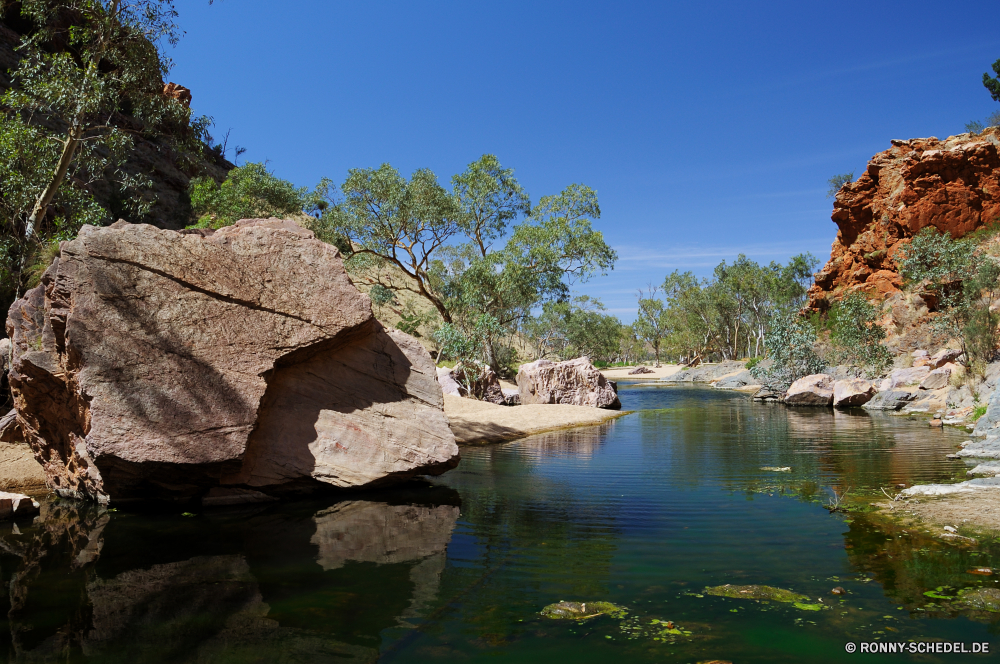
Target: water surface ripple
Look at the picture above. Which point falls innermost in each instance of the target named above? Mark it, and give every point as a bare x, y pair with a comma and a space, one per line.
645, 512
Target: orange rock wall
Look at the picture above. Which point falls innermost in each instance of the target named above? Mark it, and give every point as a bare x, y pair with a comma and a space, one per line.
953, 185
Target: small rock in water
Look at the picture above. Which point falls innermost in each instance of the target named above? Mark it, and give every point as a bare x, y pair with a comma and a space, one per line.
583, 610
778, 469
981, 599
838, 591
951, 529
16, 506
756, 592
935, 423
982, 571
952, 456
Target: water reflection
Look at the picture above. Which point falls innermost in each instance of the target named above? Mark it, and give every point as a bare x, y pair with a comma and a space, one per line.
305, 582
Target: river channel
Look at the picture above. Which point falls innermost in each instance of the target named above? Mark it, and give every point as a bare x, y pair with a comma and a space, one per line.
644, 512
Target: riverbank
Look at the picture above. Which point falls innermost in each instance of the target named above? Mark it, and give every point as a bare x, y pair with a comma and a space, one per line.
978, 511
478, 422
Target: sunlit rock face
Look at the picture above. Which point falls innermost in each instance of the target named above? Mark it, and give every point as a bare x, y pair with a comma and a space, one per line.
152, 363
952, 185
574, 382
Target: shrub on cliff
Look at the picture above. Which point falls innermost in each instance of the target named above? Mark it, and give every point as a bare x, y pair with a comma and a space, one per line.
965, 279
249, 191
857, 337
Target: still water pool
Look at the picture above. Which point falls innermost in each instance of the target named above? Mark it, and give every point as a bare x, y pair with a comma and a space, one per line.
645, 512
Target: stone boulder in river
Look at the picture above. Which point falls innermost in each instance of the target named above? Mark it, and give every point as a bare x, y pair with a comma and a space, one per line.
814, 390
154, 363
575, 382
851, 392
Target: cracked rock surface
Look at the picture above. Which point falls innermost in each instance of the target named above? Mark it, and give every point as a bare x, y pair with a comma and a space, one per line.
153, 363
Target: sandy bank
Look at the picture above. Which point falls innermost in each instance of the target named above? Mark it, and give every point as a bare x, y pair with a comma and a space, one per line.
658, 372
480, 422
980, 510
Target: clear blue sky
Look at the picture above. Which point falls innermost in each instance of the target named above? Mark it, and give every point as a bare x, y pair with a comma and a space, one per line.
707, 129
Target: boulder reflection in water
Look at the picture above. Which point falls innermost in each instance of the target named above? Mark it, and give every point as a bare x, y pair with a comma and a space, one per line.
269, 584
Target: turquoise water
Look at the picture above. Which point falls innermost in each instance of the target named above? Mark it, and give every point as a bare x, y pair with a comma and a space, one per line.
644, 512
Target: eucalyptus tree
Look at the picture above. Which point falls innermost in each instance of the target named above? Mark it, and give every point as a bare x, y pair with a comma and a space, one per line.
89, 78
385, 218
652, 323
445, 244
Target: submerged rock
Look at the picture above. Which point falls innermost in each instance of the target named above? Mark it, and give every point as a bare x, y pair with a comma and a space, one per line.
151, 363
981, 599
575, 382
583, 610
769, 593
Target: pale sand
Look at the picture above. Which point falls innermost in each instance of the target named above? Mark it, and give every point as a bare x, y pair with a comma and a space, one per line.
19, 472
978, 509
475, 421
658, 373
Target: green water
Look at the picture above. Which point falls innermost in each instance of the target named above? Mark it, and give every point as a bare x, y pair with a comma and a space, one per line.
644, 512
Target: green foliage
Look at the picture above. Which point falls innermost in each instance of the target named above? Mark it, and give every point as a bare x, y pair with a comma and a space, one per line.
248, 192
976, 127
979, 411
992, 83
729, 316
81, 93
565, 330
467, 346
965, 281
838, 181
857, 337
443, 243
789, 343
752, 362
653, 321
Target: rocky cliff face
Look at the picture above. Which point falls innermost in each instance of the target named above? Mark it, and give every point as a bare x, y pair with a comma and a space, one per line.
953, 185
216, 365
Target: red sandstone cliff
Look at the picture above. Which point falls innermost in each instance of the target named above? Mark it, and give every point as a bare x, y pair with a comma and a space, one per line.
953, 185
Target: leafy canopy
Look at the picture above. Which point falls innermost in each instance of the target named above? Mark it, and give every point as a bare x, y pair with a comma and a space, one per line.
248, 192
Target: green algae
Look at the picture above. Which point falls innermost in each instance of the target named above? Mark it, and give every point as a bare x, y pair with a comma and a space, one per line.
583, 610
980, 599
757, 592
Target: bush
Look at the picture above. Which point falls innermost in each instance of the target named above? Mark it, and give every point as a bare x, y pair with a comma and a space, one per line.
966, 281
857, 337
752, 362
249, 192
789, 344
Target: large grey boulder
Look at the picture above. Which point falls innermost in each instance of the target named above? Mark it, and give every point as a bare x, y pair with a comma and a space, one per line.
575, 382
936, 379
151, 363
851, 392
814, 390
890, 400
737, 381
904, 377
